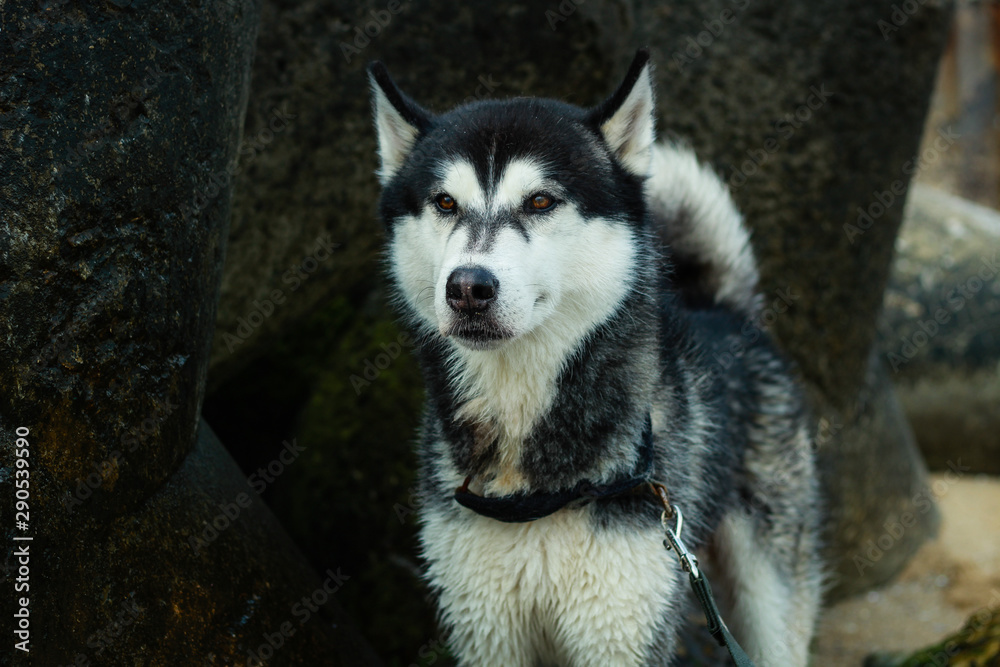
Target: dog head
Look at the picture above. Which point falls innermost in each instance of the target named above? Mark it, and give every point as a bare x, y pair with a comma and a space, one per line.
506, 218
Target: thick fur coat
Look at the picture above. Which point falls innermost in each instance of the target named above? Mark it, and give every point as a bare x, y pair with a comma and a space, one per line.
568, 280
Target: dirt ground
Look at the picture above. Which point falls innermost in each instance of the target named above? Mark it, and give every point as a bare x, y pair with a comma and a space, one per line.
948, 580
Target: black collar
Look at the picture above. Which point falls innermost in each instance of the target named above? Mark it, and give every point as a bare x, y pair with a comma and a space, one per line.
522, 507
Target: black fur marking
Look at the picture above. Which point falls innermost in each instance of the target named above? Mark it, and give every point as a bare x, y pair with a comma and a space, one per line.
692, 279
523, 507
407, 108
483, 229
607, 109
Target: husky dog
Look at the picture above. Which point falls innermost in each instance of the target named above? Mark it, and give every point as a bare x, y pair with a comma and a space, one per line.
588, 320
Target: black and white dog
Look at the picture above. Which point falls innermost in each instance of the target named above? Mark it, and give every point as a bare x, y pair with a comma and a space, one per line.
573, 286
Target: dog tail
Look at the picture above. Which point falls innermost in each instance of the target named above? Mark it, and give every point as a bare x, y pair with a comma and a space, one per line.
706, 240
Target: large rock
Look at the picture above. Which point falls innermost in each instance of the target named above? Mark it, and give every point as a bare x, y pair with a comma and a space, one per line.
121, 123
142, 589
940, 329
344, 385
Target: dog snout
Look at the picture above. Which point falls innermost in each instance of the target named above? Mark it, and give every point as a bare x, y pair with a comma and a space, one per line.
471, 289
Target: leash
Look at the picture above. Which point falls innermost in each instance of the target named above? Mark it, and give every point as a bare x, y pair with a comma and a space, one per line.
699, 584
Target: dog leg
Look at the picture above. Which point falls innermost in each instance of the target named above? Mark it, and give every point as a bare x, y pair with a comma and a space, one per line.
773, 594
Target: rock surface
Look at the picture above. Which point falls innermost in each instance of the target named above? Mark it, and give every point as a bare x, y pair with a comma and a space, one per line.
120, 125
344, 385
202, 573
940, 328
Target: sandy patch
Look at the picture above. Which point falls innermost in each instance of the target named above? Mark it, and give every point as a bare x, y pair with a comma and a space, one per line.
946, 582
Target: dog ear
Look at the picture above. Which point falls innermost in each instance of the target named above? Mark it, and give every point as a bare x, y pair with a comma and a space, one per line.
626, 119
398, 121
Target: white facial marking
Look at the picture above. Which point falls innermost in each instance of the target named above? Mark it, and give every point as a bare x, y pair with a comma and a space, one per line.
459, 180
521, 179
416, 253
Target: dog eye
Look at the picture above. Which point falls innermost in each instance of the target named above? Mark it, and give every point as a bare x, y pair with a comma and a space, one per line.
445, 203
540, 202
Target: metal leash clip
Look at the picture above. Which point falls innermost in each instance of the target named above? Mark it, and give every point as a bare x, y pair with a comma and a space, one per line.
699, 584
673, 542
688, 560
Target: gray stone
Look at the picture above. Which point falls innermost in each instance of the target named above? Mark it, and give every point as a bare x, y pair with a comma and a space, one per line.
890, 509
120, 125
139, 590
940, 328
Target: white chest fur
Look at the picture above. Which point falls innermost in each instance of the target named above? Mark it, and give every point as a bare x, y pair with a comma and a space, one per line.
552, 591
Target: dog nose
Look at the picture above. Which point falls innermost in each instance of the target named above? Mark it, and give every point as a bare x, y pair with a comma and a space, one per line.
471, 289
